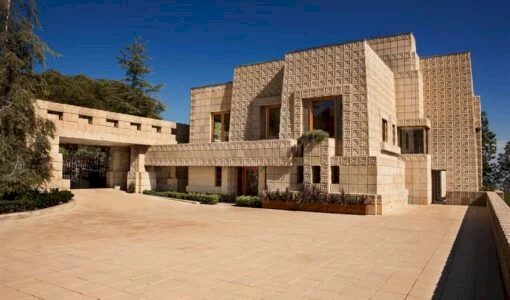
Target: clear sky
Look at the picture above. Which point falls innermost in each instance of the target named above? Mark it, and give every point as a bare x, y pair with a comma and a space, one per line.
194, 43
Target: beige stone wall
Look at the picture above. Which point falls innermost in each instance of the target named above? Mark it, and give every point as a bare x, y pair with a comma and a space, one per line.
278, 178
391, 182
204, 101
449, 104
254, 85
75, 124
381, 102
399, 53
202, 180
418, 177
118, 167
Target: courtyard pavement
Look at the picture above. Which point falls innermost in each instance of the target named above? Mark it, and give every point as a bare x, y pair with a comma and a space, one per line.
115, 245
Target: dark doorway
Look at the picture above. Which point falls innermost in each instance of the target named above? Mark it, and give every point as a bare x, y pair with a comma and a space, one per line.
84, 166
248, 181
182, 179
438, 186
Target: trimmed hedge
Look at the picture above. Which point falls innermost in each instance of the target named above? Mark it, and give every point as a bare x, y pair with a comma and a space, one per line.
202, 198
315, 195
228, 198
248, 201
35, 200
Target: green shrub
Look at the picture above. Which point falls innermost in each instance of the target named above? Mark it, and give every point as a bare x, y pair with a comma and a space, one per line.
33, 200
248, 201
314, 195
199, 197
313, 137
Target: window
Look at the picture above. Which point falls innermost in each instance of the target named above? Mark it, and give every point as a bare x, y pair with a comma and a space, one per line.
112, 123
321, 115
217, 180
316, 174
87, 118
384, 130
136, 126
156, 129
335, 174
394, 134
270, 122
412, 140
220, 126
58, 114
300, 174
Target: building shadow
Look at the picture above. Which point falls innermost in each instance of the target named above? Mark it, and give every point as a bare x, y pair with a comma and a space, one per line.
472, 269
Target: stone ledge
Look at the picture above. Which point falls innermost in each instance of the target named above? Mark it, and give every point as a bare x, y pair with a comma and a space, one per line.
499, 213
38, 212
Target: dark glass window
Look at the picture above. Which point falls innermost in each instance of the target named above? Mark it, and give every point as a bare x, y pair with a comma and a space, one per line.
323, 116
218, 176
335, 174
316, 174
384, 130
220, 126
300, 174
270, 122
412, 140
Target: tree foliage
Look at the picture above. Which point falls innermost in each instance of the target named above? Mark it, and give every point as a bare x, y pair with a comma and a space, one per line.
133, 59
504, 168
489, 149
24, 144
105, 94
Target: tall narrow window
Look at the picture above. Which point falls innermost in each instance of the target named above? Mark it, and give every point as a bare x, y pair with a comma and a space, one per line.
300, 174
316, 174
322, 115
394, 134
270, 122
220, 126
384, 130
335, 174
217, 180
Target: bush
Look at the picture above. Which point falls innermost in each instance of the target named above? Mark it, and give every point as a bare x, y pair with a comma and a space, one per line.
33, 200
202, 198
131, 188
314, 195
248, 201
313, 137
228, 198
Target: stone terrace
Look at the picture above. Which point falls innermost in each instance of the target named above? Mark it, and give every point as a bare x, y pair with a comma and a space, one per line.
114, 245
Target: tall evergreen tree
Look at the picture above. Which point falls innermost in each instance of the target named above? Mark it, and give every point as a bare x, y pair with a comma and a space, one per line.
133, 59
489, 149
24, 145
504, 168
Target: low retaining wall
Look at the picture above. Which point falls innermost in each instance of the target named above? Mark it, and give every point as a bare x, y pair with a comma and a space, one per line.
467, 198
352, 209
499, 213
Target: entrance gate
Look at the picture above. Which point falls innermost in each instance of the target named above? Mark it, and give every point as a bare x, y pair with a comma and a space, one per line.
85, 166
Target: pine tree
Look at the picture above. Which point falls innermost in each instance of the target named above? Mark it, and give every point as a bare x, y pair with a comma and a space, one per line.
489, 149
133, 59
24, 145
504, 168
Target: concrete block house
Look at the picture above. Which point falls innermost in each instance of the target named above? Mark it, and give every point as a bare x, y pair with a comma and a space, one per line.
403, 129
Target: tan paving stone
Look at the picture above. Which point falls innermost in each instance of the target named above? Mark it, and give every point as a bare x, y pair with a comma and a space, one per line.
111, 246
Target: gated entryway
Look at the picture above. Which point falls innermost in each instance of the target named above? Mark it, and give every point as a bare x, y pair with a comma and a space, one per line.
85, 166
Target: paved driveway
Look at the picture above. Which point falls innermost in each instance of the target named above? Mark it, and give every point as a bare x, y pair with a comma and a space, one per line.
115, 245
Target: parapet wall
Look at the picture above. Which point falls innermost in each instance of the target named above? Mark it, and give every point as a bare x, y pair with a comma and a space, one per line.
499, 213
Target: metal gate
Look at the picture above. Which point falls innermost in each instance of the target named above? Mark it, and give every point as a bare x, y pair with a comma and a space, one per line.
85, 166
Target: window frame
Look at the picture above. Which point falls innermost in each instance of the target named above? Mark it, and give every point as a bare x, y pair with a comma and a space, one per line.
316, 171
384, 128
310, 112
266, 109
222, 134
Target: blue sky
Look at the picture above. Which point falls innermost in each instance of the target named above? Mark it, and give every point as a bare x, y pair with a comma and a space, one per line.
194, 43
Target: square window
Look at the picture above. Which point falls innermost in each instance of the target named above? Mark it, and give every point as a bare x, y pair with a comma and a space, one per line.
316, 174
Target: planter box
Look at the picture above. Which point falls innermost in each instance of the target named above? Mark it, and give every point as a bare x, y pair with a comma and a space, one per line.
351, 209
